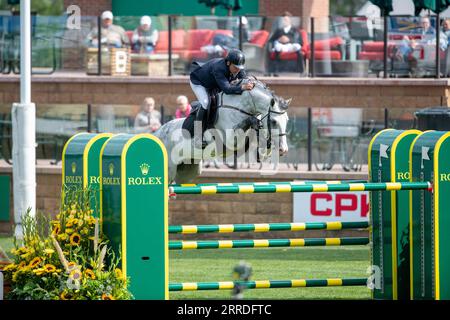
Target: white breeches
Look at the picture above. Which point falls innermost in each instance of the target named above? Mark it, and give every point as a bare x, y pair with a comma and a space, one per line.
201, 93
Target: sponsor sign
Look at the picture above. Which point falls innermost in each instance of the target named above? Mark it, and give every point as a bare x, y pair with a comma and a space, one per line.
331, 206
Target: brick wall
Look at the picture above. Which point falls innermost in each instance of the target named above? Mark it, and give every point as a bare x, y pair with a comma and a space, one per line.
90, 7
300, 8
307, 8
373, 94
276, 8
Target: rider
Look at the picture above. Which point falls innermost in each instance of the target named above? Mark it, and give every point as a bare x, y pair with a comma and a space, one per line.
217, 73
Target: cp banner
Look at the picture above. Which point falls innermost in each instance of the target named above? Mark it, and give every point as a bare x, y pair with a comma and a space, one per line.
333, 206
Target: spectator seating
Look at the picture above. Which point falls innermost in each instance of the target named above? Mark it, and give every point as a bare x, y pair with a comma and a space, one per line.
187, 44
255, 51
324, 49
373, 51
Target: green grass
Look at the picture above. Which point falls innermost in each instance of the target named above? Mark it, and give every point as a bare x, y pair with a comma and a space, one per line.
268, 264
6, 244
272, 264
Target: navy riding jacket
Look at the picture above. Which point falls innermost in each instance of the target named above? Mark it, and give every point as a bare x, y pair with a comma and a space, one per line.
215, 74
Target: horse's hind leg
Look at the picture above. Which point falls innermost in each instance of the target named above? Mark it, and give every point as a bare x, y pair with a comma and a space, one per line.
187, 172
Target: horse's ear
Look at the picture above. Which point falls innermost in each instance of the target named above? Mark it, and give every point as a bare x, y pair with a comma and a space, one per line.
285, 103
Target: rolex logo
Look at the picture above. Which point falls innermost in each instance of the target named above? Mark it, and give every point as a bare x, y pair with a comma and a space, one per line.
111, 169
74, 167
144, 168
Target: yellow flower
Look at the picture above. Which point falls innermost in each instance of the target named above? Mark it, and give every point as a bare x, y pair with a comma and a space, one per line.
89, 274
75, 274
107, 297
56, 229
49, 251
25, 255
75, 239
62, 237
35, 262
15, 275
10, 267
20, 251
39, 271
84, 231
49, 268
119, 274
69, 231
72, 266
21, 265
66, 295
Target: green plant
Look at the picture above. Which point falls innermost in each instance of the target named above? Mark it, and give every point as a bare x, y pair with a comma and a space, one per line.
64, 258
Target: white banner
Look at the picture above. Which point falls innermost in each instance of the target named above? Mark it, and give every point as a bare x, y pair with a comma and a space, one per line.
331, 206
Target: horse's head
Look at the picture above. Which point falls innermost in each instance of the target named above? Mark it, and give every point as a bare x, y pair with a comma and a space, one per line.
278, 122
273, 112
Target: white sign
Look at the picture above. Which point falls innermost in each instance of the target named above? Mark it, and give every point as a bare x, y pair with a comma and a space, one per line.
121, 61
331, 206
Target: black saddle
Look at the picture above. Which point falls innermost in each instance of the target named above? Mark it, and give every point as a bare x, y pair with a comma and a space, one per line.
188, 123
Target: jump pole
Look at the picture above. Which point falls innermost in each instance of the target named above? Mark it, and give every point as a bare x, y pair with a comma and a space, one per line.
268, 284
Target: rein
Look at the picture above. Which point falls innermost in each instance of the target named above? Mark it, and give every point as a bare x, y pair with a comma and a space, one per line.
259, 123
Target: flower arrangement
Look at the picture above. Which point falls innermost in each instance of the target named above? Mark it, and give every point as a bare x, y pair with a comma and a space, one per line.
65, 258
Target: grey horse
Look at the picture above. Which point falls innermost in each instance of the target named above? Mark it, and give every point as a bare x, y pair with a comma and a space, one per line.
257, 108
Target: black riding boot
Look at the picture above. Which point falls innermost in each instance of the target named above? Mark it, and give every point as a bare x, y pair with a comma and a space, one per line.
200, 116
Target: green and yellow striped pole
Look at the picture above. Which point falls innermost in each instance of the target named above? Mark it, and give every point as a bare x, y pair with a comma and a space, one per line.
280, 188
267, 183
267, 284
264, 243
265, 227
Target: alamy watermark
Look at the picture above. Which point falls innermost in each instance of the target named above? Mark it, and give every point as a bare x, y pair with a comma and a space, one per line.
249, 146
73, 17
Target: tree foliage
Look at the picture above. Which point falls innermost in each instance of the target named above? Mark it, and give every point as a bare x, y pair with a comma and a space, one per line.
41, 7
345, 7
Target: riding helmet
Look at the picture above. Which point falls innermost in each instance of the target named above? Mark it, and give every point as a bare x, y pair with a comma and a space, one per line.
236, 57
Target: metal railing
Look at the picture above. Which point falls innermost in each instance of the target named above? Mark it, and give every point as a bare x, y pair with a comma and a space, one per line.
332, 46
